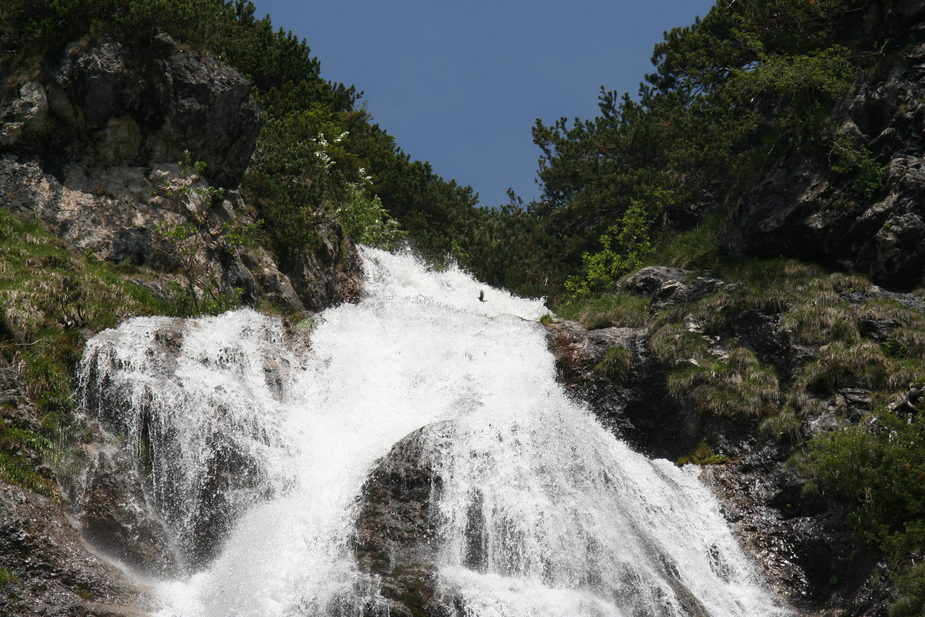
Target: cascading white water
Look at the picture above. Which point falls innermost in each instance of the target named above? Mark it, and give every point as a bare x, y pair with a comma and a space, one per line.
570, 521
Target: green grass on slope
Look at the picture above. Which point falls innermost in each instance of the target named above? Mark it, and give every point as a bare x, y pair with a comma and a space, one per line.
51, 300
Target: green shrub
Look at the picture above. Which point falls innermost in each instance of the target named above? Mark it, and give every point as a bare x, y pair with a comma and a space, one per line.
366, 220
856, 166
622, 247
911, 600
875, 468
696, 248
703, 454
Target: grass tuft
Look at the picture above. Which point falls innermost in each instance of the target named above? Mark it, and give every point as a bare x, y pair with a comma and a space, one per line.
738, 386
617, 364
614, 309
703, 454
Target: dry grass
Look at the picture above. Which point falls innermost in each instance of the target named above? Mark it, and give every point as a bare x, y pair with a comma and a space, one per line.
675, 346
821, 322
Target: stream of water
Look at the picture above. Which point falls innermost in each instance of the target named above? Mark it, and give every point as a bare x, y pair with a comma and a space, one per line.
572, 522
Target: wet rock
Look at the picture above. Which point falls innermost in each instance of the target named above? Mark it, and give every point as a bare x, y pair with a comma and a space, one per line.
115, 516
140, 504
395, 531
805, 552
581, 367
50, 572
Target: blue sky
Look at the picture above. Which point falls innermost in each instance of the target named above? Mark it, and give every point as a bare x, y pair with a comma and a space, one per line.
460, 84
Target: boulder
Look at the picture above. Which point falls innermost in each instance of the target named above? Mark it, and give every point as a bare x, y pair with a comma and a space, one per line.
115, 516
394, 540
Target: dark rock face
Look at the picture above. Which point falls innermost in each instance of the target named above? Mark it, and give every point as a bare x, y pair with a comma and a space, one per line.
631, 403
51, 573
395, 530
106, 105
806, 554
803, 209
330, 275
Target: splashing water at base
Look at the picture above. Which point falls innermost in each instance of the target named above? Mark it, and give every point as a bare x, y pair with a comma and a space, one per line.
569, 521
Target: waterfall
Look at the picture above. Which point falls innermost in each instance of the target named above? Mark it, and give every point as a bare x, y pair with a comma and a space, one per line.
253, 443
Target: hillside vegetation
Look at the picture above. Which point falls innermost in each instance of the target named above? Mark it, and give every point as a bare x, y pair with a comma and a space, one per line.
763, 109
320, 155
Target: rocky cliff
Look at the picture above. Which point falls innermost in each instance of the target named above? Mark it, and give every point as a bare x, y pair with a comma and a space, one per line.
118, 150
133, 158
859, 206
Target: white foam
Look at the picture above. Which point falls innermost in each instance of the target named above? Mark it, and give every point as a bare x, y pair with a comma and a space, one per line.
570, 521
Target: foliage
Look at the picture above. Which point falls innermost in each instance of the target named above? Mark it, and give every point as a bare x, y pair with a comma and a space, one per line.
305, 178
623, 247
703, 454
181, 244
750, 83
7, 576
15, 466
856, 165
911, 600
694, 248
876, 469
366, 220
617, 364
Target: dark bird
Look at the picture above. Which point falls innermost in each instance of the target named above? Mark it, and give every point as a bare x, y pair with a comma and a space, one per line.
481, 295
